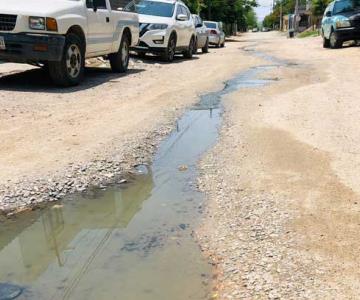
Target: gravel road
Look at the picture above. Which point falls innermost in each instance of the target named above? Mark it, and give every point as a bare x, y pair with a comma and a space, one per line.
58, 141
283, 215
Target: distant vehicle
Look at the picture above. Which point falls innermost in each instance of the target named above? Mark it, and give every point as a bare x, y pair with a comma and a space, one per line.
216, 33
59, 35
265, 29
340, 23
202, 35
166, 28
255, 29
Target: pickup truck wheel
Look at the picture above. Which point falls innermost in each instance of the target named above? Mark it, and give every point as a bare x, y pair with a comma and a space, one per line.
119, 61
334, 41
189, 52
205, 49
70, 70
170, 50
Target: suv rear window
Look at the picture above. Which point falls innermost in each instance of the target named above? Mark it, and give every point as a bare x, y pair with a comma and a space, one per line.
155, 8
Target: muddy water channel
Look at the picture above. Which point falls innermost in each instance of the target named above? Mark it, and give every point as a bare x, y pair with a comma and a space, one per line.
132, 241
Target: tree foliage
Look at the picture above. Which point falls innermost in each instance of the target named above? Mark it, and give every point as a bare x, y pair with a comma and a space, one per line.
284, 6
226, 11
318, 7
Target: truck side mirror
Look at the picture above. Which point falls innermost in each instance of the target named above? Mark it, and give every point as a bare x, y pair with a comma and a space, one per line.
328, 14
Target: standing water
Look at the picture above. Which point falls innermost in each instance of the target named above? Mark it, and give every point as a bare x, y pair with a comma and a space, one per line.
131, 242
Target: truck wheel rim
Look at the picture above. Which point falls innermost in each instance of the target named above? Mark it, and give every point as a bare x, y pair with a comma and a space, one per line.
73, 60
125, 54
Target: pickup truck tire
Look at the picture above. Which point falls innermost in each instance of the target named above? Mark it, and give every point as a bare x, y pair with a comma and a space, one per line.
119, 61
70, 70
190, 50
335, 43
205, 49
170, 50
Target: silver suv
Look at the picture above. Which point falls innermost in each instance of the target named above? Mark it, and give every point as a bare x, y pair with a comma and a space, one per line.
166, 28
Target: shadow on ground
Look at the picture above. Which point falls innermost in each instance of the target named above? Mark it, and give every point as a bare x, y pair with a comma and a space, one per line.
155, 59
37, 80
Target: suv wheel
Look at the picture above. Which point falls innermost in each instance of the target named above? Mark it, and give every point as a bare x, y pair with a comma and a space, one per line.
205, 49
195, 49
326, 42
334, 41
171, 49
119, 61
189, 52
70, 70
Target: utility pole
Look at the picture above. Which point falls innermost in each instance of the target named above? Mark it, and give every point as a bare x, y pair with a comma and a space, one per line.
209, 9
296, 16
281, 17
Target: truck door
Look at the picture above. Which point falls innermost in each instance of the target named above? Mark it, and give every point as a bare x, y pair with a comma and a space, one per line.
100, 28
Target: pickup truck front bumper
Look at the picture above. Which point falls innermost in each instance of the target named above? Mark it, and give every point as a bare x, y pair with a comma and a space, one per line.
25, 48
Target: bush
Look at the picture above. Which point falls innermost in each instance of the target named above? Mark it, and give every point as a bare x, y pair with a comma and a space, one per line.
308, 33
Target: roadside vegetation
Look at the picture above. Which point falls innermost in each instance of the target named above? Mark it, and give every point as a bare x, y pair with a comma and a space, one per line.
235, 14
285, 7
308, 33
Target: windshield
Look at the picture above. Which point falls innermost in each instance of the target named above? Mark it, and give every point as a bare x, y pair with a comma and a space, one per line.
346, 6
155, 8
210, 25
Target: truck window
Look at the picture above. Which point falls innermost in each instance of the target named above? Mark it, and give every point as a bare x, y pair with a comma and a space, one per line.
127, 5
101, 4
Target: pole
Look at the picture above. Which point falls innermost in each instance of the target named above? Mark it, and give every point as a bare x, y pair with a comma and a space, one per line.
281, 19
296, 15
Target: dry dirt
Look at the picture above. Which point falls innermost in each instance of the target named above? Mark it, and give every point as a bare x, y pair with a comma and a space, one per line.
283, 216
55, 141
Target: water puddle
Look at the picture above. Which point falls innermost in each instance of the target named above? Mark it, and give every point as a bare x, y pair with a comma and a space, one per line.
132, 241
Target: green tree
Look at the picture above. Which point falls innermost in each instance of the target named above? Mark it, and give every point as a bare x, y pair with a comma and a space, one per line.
231, 12
318, 7
251, 19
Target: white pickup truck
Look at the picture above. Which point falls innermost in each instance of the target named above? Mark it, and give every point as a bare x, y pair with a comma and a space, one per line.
61, 34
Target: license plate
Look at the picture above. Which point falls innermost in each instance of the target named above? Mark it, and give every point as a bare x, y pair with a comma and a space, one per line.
2, 43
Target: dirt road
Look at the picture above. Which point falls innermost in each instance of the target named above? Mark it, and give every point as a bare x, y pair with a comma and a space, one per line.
283, 219
55, 141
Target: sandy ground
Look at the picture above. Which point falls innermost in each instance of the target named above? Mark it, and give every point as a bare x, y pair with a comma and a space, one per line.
283, 216
54, 141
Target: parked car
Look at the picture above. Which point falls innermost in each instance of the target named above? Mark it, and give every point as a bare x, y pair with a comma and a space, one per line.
202, 35
216, 33
166, 28
61, 34
340, 23
255, 29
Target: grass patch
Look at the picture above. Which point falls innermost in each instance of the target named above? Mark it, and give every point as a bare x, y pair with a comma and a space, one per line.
310, 33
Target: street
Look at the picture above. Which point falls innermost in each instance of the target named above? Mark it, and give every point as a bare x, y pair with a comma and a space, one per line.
281, 217
283, 179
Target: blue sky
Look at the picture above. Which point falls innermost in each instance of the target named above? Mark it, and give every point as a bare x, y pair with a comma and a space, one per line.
263, 9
